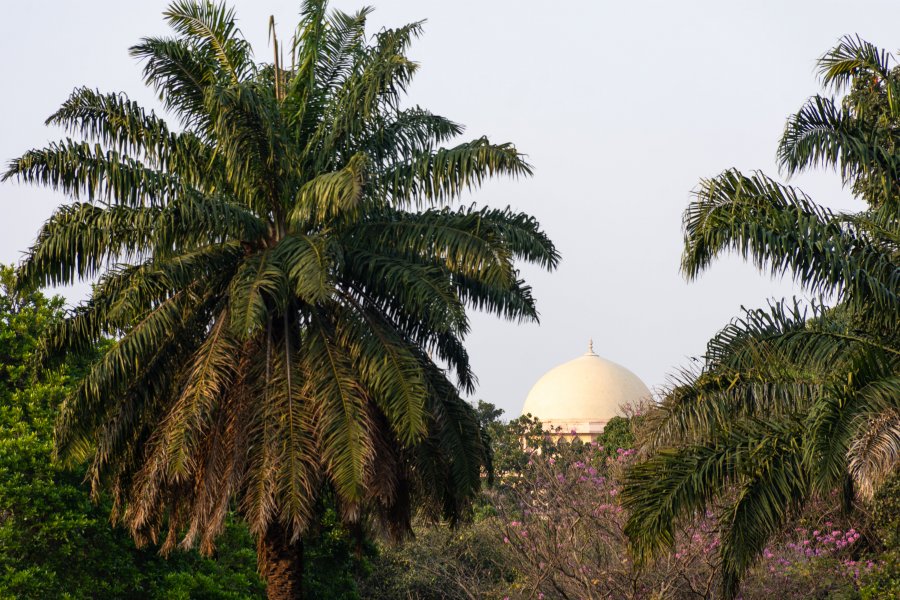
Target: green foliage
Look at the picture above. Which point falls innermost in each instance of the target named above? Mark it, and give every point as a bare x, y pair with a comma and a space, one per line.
885, 510
335, 558
617, 433
47, 519
884, 582
276, 276
510, 454
857, 136
793, 401
442, 563
508, 441
229, 574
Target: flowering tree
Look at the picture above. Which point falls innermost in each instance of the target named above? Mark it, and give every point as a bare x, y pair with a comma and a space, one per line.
562, 526
552, 527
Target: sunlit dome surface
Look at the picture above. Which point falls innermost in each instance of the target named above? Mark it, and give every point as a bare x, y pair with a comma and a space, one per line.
587, 389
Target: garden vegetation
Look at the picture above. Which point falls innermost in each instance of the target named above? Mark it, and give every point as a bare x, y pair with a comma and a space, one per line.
270, 367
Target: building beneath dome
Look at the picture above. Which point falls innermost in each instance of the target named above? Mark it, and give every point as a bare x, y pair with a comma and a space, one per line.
578, 398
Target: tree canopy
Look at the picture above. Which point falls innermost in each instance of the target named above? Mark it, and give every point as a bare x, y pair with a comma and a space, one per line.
46, 515
792, 401
284, 279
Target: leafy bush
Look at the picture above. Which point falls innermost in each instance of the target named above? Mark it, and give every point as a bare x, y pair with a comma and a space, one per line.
55, 542
442, 563
884, 580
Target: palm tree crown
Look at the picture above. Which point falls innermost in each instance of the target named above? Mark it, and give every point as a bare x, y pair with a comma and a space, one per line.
790, 401
276, 275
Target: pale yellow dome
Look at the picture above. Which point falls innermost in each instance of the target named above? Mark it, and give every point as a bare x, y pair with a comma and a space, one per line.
588, 389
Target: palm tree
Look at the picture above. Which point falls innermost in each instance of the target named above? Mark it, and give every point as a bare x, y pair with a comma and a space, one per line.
790, 401
276, 277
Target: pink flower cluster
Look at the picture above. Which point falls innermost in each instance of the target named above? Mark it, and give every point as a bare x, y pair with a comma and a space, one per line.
827, 542
569, 499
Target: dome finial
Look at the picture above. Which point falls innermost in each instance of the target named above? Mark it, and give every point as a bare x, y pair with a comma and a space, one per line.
590, 351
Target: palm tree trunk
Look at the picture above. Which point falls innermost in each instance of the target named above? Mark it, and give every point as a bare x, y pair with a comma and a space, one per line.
281, 564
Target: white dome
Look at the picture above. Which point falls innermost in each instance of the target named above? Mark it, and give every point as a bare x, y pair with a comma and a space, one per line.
589, 388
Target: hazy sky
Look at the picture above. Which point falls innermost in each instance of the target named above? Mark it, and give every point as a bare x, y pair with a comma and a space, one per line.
620, 106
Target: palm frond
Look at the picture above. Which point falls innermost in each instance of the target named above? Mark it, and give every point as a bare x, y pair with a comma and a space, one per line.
181, 74
375, 84
448, 462
210, 374
839, 66
414, 294
121, 125
213, 25
676, 483
778, 485
249, 143
331, 194
309, 263
444, 174
124, 363
406, 132
875, 453
85, 171
343, 423
821, 134
780, 229
389, 368
258, 284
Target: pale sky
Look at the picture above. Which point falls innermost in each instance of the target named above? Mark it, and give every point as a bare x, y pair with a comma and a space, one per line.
620, 106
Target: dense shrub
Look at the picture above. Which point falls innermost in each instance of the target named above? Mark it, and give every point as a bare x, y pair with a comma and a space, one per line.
54, 541
443, 563
884, 580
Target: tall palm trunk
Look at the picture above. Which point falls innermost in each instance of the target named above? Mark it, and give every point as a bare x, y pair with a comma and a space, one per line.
281, 564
